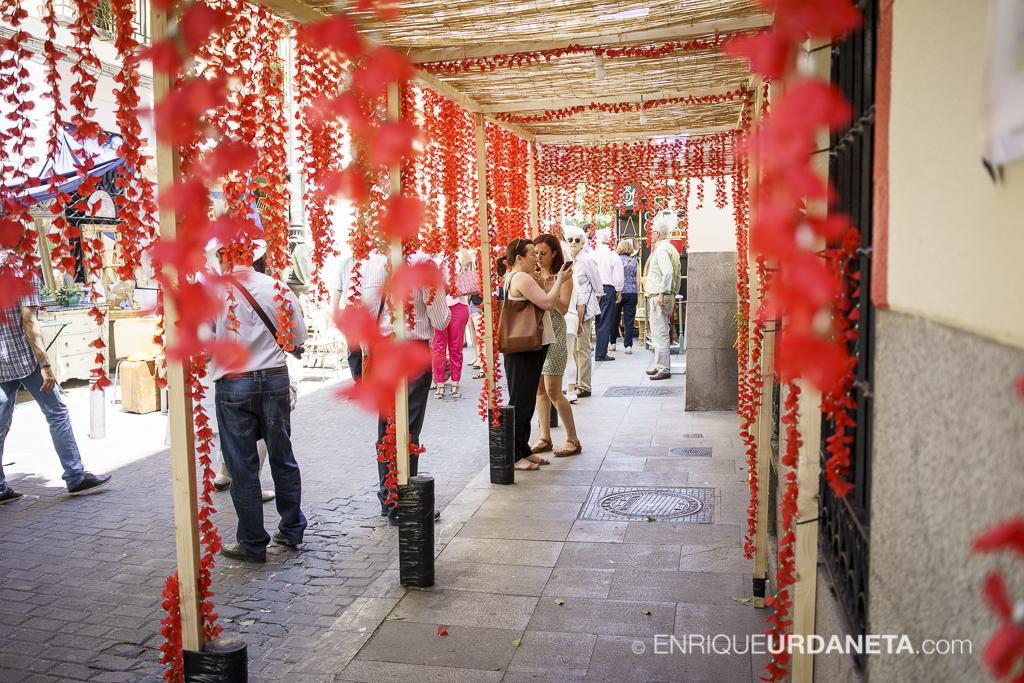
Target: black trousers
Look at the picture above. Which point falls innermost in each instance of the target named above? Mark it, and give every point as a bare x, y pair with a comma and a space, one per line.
605, 322
419, 392
523, 373
355, 364
625, 309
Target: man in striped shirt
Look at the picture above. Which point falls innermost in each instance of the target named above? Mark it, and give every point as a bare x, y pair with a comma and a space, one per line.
429, 312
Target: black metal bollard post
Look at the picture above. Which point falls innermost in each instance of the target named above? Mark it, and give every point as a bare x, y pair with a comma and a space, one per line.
223, 660
502, 440
416, 532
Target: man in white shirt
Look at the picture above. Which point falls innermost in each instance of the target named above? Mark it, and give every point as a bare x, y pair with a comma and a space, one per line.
426, 319
663, 280
586, 291
610, 267
253, 403
342, 292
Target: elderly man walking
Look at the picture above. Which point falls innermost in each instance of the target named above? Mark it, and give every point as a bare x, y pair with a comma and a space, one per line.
252, 404
23, 362
586, 293
663, 282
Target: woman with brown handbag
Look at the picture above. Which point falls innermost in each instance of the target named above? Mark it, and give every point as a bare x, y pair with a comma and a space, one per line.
523, 339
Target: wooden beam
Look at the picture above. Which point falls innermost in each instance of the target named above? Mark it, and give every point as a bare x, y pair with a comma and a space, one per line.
486, 262
566, 102
809, 465
183, 455
397, 261
680, 32
531, 176
292, 9
635, 134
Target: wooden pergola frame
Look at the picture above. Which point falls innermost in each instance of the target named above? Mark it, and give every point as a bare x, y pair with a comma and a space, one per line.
183, 456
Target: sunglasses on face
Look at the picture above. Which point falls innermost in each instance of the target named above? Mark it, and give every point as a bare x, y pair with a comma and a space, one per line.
575, 240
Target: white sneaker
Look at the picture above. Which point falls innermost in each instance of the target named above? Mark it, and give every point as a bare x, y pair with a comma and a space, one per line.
268, 496
572, 397
629, 350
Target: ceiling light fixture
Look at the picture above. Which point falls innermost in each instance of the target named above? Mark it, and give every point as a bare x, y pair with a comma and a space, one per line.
599, 64
643, 113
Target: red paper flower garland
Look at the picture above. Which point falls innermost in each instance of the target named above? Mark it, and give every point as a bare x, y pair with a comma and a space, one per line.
527, 58
136, 208
803, 289
616, 108
1004, 654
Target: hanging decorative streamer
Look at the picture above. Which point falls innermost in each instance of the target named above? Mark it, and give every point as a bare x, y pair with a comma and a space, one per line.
617, 108
527, 58
803, 289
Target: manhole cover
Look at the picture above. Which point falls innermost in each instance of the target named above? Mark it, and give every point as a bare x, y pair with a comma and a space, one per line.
691, 451
631, 503
640, 392
693, 436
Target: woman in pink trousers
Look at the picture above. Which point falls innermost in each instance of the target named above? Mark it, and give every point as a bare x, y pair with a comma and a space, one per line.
446, 347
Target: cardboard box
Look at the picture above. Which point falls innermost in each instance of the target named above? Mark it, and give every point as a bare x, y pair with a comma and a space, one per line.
139, 391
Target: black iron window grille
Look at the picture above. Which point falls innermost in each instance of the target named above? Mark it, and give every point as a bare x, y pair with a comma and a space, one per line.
844, 525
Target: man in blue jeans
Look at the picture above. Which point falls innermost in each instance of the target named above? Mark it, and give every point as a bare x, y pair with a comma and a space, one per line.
23, 362
252, 404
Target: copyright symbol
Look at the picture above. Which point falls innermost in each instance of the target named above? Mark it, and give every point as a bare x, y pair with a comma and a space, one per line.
638, 647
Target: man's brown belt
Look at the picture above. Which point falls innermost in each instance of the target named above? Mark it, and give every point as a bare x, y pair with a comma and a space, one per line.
255, 374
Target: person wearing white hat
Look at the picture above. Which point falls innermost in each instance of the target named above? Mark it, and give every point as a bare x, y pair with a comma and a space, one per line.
253, 402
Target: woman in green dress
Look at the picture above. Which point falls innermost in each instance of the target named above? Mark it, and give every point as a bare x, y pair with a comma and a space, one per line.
549, 391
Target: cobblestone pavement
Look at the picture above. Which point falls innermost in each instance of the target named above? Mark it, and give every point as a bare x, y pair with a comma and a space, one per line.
81, 578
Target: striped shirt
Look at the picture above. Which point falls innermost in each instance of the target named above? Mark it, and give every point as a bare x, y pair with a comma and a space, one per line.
17, 359
426, 319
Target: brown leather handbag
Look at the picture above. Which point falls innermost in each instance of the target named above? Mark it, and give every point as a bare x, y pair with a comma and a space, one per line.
520, 327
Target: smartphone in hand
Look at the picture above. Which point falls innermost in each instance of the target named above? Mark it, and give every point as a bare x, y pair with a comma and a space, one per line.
567, 265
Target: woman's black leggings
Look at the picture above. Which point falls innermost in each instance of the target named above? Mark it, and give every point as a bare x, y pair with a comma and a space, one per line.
523, 373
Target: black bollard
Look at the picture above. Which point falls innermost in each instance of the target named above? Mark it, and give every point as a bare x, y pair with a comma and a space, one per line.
502, 439
223, 660
416, 532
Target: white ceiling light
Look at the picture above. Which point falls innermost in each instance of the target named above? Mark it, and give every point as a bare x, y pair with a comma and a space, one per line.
643, 113
599, 64
627, 14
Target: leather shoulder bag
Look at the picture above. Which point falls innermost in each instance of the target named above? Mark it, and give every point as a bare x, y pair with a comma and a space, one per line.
520, 327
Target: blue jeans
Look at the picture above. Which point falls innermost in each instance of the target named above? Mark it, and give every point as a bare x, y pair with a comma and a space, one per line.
249, 409
605, 322
57, 417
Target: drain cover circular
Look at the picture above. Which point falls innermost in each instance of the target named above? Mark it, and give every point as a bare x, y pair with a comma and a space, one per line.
646, 503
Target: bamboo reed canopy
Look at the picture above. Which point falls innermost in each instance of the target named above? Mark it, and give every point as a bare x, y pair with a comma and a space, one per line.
436, 35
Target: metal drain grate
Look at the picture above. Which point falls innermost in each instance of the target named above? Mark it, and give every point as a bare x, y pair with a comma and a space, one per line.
691, 451
643, 503
641, 392
693, 436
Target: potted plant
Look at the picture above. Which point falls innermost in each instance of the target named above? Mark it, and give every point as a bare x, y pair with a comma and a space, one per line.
68, 295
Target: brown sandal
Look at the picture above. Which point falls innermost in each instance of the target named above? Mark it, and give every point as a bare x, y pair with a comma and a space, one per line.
577, 448
543, 446
529, 465
539, 460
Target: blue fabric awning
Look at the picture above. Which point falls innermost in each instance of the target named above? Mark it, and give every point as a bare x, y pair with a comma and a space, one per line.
69, 152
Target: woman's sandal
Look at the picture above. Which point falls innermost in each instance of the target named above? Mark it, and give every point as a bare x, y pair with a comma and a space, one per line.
528, 466
455, 391
577, 448
537, 460
440, 391
480, 375
543, 446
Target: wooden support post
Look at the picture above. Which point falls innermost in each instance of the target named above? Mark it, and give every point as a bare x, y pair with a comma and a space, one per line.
532, 173
764, 456
397, 261
183, 455
485, 254
808, 473
809, 464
